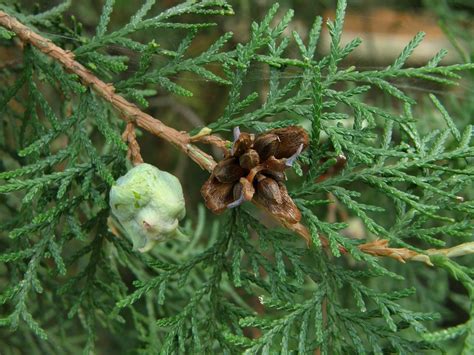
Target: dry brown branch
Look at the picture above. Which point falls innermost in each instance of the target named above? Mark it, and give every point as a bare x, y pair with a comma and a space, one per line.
128, 111
130, 137
215, 141
380, 247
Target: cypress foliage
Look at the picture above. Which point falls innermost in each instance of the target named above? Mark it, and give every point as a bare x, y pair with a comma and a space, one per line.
68, 285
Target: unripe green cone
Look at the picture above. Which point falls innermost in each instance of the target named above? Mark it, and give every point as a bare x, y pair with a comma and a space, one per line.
146, 204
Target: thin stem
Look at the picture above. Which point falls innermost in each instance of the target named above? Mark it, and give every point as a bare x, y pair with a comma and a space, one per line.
128, 111
380, 248
130, 137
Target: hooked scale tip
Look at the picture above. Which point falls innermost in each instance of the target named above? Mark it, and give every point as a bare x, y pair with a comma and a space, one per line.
236, 132
290, 161
237, 202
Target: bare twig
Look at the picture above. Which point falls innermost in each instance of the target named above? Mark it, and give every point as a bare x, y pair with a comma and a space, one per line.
380, 247
130, 137
127, 110
215, 141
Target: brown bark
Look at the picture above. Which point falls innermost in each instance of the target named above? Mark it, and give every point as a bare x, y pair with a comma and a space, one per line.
128, 111
133, 147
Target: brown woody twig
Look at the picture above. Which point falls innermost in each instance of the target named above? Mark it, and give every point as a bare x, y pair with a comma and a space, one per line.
215, 141
128, 111
380, 247
130, 137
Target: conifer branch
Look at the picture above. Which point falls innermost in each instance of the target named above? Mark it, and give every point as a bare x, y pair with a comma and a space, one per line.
376, 169
128, 111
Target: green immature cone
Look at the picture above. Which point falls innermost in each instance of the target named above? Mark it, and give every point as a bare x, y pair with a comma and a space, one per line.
146, 205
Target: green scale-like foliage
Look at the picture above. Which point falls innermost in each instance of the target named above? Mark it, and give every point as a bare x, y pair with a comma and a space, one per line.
67, 283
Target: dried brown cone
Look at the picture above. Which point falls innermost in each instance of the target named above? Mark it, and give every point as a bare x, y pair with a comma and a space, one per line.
254, 171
